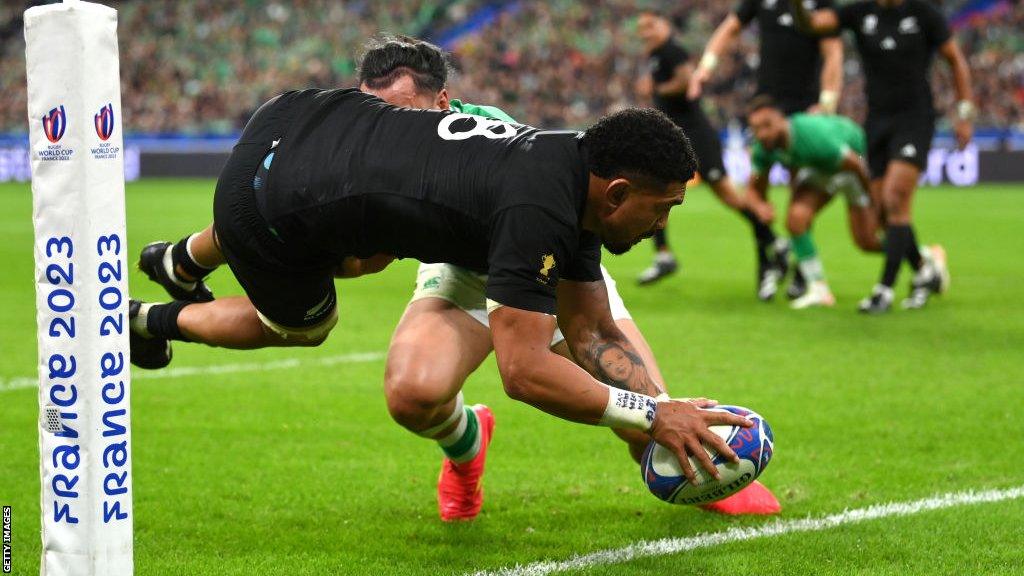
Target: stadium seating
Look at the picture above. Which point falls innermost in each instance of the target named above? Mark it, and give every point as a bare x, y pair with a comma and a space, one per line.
201, 67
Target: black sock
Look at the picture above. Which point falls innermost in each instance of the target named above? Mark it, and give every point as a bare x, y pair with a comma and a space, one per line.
162, 320
762, 231
180, 257
660, 239
763, 234
897, 241
913, 251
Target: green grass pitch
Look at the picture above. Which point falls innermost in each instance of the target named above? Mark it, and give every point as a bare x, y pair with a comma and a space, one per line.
301, 471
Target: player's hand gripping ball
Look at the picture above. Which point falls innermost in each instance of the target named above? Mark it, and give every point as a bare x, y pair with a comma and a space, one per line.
664, 476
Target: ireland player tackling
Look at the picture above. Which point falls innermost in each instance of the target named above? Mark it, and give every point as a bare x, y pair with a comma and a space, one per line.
825, 155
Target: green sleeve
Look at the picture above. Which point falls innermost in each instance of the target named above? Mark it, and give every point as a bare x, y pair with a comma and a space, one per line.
481, 110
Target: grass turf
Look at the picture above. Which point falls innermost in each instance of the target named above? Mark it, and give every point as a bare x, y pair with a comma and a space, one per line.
301, 471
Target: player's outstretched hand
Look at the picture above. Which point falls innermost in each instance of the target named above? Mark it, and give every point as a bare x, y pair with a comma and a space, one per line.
682, 427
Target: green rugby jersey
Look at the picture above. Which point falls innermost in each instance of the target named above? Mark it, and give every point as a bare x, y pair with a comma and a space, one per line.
815, 141
480, 110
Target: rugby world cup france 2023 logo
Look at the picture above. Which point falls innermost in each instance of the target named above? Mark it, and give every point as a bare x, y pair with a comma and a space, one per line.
54, 123
105, 122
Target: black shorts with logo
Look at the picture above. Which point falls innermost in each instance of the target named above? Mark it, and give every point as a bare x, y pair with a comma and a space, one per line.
906, 136
291, 285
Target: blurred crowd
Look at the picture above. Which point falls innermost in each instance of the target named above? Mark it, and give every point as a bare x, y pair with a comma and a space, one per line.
203, 66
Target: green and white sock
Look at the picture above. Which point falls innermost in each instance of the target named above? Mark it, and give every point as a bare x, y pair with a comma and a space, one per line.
807, 258
462, 444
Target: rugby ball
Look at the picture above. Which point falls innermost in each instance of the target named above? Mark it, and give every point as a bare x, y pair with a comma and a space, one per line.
664, 476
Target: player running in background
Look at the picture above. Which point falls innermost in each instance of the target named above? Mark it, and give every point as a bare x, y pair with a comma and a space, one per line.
897, 40
668, 80
319, 176
825, 154
801, 73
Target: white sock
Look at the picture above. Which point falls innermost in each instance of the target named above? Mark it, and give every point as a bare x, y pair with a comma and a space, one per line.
455, 415
138, 324
192, 256
812, 269
168, 262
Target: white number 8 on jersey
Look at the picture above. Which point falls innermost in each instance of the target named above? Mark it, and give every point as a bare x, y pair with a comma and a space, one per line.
486, 127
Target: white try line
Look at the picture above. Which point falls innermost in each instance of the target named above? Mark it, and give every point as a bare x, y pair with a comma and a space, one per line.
663, 547
183, 371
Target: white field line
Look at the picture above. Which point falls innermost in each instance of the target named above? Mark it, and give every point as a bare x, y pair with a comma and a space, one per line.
646, 549
183, 371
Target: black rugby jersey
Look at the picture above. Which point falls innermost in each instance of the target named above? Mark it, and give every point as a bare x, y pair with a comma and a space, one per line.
663, 62
896, 47
790, 62
355, 176
685, 113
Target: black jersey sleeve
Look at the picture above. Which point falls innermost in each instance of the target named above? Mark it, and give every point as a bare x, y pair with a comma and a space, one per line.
746, 11
675, 55
586, 265
668, 57
529, 248
934, 24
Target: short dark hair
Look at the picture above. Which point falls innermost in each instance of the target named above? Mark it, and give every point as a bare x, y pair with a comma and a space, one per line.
760, 102
640, 143
388, 59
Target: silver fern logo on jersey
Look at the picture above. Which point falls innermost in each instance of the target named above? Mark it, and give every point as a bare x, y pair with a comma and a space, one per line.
460, 126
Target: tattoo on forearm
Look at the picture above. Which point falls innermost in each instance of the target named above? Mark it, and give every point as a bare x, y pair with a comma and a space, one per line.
616, 363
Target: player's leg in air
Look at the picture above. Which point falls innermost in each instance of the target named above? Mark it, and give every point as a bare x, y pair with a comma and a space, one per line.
898, 150
808, 198
181, 267
285, 304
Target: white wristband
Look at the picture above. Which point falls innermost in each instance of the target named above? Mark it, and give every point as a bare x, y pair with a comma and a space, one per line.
828, 100
965, 110
708, 61
629, 410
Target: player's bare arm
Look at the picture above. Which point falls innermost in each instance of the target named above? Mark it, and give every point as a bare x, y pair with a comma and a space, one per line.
721, 40
535, 375
963, 124
852, 162
677, 85
757, 196
596, 341
831, 74
818, 22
